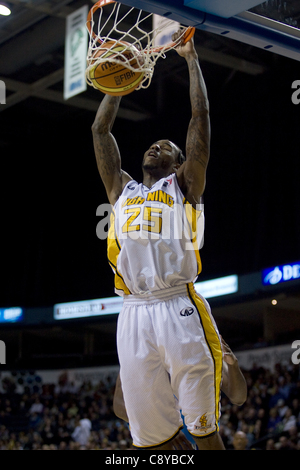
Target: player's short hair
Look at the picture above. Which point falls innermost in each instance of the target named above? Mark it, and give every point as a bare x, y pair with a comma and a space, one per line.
181, 158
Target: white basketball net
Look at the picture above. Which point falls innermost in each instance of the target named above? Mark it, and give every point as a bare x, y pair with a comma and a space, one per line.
112, 21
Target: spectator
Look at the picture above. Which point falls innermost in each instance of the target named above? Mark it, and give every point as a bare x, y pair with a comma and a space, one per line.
240, 441
285, 385
274, 420
289, 421
270, 444
82, 431
276, 396
282, 408
294, 437
285, 444
295, 407
37, 407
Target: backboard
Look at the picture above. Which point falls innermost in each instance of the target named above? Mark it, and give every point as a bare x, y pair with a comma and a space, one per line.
273, 25
287, 12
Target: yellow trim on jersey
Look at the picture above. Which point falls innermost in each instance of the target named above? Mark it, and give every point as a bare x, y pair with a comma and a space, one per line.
214, 345
161, 443
113, 250
193, 215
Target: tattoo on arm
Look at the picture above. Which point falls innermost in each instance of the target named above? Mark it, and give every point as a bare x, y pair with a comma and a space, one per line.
106, 149
198, 140
107, 156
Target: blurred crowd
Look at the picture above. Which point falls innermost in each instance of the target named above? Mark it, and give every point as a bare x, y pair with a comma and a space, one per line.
67, 417
62, 417
270, 417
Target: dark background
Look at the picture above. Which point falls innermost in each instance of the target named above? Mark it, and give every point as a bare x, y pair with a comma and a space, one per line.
51, 188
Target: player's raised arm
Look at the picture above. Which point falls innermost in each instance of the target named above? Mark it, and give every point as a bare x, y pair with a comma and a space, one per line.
106, 148
192, 174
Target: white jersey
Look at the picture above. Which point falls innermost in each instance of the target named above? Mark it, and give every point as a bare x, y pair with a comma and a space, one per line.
154, 238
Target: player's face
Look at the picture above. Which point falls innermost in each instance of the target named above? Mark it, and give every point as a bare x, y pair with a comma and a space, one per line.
162, 155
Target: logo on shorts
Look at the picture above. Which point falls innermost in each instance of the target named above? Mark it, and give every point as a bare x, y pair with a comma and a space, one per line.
203, 424
186, 312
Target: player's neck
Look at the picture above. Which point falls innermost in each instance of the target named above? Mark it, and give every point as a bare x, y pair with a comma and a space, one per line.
151, 177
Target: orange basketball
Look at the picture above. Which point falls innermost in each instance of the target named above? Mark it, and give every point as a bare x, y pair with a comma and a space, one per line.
115, 78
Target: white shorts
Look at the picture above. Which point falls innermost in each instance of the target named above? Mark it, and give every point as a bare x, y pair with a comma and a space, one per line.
169, 346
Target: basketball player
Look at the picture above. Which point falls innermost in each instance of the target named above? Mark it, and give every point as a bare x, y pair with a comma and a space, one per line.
167, 340
233, 385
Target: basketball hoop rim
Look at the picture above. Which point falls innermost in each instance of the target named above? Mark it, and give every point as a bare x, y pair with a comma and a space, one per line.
189, 33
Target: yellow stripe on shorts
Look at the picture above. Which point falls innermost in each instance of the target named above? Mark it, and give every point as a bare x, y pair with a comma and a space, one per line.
213, 343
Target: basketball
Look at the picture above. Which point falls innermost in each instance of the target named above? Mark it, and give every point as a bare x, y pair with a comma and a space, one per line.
115, 78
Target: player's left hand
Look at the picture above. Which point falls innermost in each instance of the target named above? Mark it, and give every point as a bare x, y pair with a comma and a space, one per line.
184, 49
228, 355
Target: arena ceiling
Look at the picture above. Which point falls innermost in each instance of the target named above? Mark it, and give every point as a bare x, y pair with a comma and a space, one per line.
32, 42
